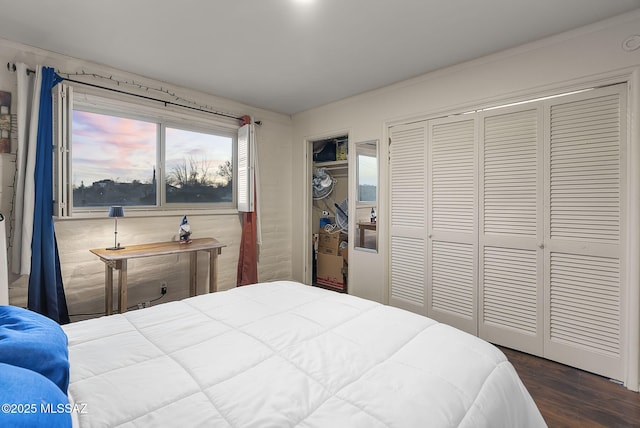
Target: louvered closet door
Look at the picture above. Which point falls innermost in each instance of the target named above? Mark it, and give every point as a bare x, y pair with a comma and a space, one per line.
511, 221
452, 223
407, 152
585, 230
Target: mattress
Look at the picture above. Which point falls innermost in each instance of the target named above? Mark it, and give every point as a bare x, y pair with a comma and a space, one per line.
284, 354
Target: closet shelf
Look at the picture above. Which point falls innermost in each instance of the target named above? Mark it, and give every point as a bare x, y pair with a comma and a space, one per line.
333, 166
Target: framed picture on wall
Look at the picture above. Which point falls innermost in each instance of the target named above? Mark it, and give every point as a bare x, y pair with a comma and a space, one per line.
5, 122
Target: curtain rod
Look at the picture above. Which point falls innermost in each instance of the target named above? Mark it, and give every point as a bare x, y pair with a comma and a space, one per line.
12, 67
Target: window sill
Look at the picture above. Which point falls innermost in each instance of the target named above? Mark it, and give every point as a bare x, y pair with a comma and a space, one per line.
141, 213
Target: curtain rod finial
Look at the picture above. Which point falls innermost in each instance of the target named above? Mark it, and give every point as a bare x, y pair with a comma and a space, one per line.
247, 120
244, 120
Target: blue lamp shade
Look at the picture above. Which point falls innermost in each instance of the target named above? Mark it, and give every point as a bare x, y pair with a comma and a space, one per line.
116, 212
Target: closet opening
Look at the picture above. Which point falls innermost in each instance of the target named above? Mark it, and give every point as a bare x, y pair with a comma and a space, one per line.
330, 212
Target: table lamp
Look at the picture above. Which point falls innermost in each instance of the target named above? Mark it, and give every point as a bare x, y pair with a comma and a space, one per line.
116, 212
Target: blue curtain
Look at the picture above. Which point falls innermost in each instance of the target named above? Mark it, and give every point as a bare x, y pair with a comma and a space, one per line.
46, 292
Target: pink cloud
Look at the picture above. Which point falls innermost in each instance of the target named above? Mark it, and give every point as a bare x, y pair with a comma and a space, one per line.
106, 144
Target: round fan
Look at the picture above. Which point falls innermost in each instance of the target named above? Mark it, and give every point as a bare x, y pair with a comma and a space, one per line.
323, 184
342, 215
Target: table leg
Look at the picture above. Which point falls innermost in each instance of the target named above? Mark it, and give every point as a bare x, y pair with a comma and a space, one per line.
193, 273
108, 289
122, 286
213, 269
361, 236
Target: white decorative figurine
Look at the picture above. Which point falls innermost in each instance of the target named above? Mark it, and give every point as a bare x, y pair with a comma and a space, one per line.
185, 231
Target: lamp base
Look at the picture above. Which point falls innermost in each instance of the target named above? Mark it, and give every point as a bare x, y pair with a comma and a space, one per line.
115, 248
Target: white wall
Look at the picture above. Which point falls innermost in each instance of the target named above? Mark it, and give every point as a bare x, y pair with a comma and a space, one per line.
577, 59
83, 273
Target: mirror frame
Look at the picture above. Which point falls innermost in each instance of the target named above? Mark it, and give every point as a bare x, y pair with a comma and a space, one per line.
362, 226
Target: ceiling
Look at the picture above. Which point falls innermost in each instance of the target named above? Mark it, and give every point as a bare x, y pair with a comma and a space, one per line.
290, 55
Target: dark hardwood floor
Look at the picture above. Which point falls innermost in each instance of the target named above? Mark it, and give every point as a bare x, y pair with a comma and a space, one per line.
569, 397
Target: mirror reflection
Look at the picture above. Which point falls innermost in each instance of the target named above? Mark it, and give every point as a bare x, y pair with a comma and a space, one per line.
367, 190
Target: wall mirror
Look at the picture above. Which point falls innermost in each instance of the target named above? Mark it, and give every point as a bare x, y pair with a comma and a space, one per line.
366, 227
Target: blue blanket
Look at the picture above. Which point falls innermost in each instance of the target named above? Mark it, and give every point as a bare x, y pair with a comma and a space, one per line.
30, 400
35, 342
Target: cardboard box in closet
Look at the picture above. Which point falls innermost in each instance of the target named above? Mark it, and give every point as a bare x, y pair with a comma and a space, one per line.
330, 270
329, 242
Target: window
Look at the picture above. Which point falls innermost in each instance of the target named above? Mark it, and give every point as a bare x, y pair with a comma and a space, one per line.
199, 167
125, 154
113, 160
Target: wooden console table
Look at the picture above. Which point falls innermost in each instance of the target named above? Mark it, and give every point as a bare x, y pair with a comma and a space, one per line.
365, 226
117, 259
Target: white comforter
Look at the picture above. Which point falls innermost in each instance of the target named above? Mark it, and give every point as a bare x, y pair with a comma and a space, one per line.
284, 354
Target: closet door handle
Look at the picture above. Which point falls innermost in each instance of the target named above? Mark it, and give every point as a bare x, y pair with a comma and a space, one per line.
541, 245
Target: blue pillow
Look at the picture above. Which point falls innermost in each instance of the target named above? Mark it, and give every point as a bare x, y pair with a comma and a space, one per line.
35, 342
28, 399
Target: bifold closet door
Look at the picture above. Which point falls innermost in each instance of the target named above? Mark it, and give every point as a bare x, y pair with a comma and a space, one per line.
452, 231
511, 224
585, 228
407, 164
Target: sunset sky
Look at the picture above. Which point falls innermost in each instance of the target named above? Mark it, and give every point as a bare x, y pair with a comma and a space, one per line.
123, 150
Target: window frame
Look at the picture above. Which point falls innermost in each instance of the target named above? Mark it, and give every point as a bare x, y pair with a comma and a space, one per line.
72, 98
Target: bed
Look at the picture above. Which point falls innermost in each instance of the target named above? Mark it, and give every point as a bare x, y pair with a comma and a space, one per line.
284, 354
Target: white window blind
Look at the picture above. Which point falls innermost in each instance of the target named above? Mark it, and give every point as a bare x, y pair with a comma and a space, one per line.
63, 191
246, 151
